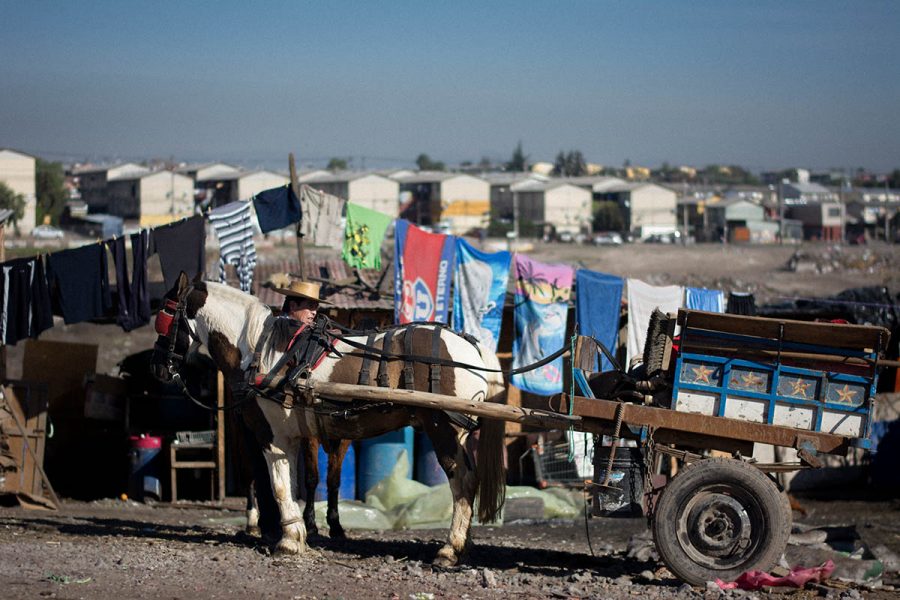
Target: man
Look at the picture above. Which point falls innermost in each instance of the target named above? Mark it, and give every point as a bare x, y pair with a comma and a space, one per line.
301, 301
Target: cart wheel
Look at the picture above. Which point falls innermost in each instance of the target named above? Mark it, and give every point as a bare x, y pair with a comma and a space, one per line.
719, 518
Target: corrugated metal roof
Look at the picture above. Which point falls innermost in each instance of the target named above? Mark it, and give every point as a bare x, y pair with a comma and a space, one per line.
339, 283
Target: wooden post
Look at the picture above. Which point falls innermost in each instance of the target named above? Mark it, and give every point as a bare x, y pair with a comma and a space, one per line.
296, 188
220, 435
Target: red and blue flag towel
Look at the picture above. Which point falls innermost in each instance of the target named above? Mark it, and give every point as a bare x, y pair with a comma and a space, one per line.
423, 267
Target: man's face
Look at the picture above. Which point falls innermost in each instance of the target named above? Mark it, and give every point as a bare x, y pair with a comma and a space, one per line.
303, 310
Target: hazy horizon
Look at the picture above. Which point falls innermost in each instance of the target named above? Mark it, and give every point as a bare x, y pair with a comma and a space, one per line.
764, 85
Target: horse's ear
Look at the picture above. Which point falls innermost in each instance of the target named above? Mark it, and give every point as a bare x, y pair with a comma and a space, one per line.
182, 282
198, 278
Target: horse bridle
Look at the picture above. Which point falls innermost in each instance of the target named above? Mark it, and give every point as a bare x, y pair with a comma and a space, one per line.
170, 318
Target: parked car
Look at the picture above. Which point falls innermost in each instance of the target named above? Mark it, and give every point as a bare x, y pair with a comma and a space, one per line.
47, 232
566, 237
607, 238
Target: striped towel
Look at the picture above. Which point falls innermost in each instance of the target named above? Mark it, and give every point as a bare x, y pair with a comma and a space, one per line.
233, 224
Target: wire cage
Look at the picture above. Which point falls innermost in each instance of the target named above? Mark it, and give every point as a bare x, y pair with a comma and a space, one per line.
195, 437
552, 467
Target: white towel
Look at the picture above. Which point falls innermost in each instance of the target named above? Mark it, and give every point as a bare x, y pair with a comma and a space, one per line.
642, 299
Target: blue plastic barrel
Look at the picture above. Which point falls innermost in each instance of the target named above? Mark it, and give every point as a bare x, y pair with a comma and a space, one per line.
143, 478
428, 469
347, 489
378, 456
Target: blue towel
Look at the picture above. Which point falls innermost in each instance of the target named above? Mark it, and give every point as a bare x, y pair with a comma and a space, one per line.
479, 291
598, 299
704, 299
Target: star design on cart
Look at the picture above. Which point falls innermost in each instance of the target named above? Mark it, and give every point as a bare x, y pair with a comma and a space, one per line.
845, 394
702, 373
799, 388
751, 380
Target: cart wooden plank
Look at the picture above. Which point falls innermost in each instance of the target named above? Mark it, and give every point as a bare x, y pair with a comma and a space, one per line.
516, 414
666, 420
854, 337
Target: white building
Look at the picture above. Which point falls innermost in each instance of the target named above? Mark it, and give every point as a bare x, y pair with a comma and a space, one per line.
241, 185
153, 198
544, 205
363, 188
646, 207
92, 182
17, 171
457, 201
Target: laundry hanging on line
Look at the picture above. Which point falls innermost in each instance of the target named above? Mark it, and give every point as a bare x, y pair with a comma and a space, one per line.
643, 299
479, 292
423, 266
704, 299
598, 305
132, 295
277, 208
25, 306
363, 236
541, 312
322, 222
233, 224
181, 247
79, 282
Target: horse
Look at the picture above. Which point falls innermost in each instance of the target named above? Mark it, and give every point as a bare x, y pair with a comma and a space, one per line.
231, 325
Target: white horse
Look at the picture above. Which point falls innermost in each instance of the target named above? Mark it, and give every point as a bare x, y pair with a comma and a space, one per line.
231, 323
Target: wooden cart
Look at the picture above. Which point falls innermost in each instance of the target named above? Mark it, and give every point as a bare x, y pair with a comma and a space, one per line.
721, 383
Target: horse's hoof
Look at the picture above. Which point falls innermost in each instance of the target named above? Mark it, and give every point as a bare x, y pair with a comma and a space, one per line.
445, 560
253, 530
292, 547
337, 533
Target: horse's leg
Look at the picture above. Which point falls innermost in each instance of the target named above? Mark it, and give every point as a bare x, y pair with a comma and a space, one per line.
451, 454
252, 510
310, 448
336, 453
281, 456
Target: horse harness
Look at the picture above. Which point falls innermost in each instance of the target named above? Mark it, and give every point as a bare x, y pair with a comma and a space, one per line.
309, 346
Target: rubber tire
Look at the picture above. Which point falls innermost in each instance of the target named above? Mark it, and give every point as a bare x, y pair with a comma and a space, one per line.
773, 506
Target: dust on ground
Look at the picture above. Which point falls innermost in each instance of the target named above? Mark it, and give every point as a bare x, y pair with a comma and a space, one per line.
113, 549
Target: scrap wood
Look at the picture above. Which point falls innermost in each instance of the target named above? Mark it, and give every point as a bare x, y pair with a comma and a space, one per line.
6, 405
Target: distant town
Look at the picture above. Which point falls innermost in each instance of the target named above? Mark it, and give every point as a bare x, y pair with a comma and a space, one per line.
568, 200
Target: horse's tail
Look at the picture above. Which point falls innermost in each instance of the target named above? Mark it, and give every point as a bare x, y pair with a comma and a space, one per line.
491, 466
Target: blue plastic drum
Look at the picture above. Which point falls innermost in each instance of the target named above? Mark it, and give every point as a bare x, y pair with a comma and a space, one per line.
428, 469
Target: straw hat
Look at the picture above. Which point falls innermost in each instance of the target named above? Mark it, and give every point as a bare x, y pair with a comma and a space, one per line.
301, 289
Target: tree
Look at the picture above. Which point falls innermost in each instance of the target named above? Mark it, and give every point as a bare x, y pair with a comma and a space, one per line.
13, 201
337, 164
519, 162
51, 194
569, 164
608, 216
894, 178
424, 162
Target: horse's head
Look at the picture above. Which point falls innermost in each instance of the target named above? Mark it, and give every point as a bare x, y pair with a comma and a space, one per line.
176, 328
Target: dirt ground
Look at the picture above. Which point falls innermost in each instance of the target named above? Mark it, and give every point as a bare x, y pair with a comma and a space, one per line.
112, 549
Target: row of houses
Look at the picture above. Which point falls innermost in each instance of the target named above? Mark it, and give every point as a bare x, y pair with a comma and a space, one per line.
461, 203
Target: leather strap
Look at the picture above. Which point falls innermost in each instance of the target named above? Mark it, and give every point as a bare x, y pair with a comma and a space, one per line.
409, 379
434, 370
382, 377
366, 362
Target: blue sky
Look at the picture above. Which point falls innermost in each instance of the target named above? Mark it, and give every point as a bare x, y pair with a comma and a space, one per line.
761, 84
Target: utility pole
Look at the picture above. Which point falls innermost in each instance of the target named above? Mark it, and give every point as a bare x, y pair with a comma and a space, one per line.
296, 189
781, 212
